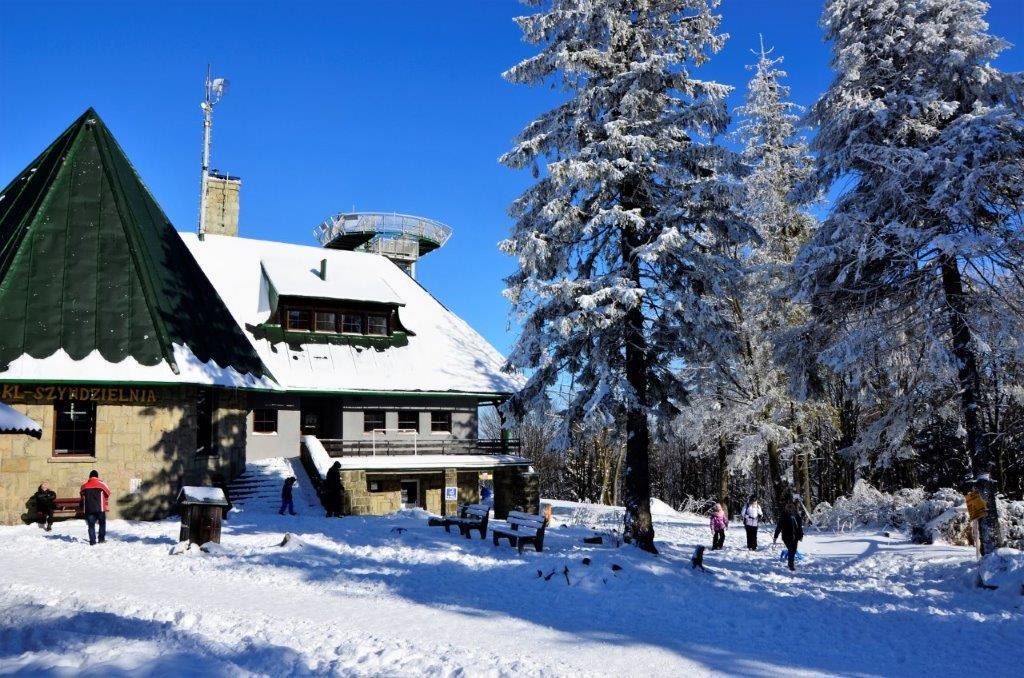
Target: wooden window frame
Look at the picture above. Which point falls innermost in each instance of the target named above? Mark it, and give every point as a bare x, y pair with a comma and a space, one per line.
387, 324
407, 413
298, 309
311, 311
447, 414
316, 321
257, 419
347, 313
384, 421
89, 407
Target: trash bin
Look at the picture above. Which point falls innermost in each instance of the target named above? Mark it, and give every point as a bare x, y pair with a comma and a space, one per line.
202, 509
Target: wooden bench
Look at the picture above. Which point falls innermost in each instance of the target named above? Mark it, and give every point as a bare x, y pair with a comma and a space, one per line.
470, 517
69, 507
473, 517
522, 529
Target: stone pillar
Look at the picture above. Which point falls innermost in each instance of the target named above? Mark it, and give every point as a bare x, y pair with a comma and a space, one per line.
515, 489
355, 497
451, 479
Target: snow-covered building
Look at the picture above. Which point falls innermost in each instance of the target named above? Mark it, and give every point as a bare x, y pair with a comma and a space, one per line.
164, 359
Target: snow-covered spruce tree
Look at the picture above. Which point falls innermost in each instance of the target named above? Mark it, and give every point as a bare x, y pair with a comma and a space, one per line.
619, 273
754, 414
925, 140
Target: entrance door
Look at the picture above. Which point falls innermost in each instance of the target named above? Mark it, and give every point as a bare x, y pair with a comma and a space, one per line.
410, 494
310, 423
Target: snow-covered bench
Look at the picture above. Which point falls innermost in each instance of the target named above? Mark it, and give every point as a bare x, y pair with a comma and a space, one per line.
522, 529
471, 517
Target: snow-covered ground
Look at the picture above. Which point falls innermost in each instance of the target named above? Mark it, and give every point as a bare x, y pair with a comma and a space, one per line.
371, 596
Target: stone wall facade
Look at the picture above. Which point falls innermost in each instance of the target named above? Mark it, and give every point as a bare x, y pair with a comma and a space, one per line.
145, 441
358, 500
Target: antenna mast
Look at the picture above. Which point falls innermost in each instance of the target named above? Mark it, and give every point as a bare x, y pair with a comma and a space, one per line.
215, 88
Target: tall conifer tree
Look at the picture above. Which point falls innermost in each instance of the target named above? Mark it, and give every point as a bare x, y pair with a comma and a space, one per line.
620, 276
924, 140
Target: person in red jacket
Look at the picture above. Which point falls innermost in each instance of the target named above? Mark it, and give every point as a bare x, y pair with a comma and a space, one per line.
95, 494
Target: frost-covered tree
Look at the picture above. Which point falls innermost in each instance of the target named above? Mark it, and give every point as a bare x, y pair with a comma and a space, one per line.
923, 138
752, 413
620, 275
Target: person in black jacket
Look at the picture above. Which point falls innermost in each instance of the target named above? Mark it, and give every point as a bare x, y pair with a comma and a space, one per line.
791, 527
286, 496
46, 502
332, 491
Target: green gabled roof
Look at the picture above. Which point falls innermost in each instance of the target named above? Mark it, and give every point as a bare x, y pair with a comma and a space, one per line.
89, 261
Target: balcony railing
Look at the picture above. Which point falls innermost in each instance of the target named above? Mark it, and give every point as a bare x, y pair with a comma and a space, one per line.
368, 448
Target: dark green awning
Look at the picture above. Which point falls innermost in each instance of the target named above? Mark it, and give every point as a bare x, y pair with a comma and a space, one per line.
89, 261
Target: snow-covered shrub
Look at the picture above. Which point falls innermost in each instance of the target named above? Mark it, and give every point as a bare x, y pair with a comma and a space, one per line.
908, 509
927, 517
697, 505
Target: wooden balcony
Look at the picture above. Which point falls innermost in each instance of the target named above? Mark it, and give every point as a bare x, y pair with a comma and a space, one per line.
379, 447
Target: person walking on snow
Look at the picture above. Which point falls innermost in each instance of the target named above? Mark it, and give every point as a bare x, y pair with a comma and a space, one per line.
719, 523
751, 518
332, 491
791, 527
95, 494
286, 496
46, 502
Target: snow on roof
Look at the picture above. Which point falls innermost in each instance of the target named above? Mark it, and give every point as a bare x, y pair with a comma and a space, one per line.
430, 461
445, 355
94, 368
299, 276
13, 421
203, 495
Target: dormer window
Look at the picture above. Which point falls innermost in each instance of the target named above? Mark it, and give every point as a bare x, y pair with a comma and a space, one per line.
339, 317
326, 321
298, 319
377, 325
352, 323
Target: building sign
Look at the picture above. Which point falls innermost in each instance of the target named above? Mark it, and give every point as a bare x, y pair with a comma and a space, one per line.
976, 506
14, 393
451, 494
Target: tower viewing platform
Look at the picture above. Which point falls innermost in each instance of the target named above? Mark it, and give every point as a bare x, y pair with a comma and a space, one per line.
403, 238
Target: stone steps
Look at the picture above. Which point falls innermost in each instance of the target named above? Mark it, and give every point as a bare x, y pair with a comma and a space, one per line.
258, 489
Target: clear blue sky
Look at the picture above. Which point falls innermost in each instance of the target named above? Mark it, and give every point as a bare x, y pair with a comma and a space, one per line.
375, 105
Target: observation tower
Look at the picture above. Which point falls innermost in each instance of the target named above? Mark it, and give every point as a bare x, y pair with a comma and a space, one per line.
402, 238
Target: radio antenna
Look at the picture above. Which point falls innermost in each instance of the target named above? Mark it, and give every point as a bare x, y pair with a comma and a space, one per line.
215, 89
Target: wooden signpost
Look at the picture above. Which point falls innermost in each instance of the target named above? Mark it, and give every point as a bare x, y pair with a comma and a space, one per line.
977, 508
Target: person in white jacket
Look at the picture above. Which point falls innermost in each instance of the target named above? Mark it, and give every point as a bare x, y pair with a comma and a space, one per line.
751, 517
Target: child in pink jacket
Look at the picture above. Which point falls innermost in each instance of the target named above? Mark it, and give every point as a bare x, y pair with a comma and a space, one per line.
719, 523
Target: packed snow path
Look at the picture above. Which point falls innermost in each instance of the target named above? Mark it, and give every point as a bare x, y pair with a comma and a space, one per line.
370, 596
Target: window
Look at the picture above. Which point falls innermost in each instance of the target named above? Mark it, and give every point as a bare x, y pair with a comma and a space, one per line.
204, 422
377, 325
372, 419
74, 427
352, 323
440, 422
326, 321
264, 420
409, 420
374, 486
298, 319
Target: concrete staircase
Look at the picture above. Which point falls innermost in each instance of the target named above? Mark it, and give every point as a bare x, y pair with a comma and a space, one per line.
258, 489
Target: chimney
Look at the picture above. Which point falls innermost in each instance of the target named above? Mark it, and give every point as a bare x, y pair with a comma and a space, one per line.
222, 204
